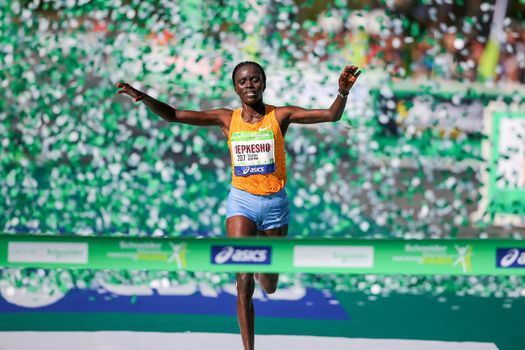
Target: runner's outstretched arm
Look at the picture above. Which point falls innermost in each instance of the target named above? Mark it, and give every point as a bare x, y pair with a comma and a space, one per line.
201, 118
293, 114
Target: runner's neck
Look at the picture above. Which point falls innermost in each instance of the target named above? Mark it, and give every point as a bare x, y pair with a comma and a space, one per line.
252, 117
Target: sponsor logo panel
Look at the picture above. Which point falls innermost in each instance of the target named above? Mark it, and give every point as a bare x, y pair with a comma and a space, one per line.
151, 251
433, 255
333, 256
510, 257
232, 255
41, 252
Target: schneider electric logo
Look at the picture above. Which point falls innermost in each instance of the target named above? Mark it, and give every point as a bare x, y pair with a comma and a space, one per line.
229, 254
510, 257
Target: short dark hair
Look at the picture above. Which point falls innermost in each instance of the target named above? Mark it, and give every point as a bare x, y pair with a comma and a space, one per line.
246, 63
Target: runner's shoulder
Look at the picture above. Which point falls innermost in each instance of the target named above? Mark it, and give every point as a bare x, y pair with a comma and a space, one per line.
283, 112
222, 111
224, 114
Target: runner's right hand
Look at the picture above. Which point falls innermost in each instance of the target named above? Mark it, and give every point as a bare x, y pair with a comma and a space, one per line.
130, 90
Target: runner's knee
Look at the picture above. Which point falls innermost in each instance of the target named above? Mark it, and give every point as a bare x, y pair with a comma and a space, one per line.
268, 282
245, 284
271, 288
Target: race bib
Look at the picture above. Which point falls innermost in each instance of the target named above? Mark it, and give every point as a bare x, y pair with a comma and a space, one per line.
253, 152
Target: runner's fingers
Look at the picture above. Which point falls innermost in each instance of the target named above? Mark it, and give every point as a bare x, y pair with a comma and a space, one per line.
349, 71
354, 75
125, 91
131, 92
346, 72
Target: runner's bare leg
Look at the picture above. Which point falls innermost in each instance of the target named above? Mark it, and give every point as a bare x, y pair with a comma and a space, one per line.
268, 281
240, 226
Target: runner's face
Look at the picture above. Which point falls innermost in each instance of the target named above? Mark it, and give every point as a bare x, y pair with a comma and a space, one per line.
248, 84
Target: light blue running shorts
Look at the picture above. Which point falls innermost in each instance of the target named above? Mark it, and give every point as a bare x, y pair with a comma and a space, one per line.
267, 212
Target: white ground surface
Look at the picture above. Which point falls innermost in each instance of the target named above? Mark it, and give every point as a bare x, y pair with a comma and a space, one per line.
211, 341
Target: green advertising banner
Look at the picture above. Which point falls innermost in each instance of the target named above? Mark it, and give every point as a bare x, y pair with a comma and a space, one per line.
452, 257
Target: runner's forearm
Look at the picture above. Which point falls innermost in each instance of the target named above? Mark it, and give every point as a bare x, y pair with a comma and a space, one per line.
337, 108
161, 109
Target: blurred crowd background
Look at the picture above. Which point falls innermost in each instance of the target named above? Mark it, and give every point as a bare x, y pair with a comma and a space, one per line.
78, 160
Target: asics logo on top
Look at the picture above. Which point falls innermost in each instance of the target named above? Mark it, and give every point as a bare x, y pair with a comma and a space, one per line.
510, 257
259, 169
227, 255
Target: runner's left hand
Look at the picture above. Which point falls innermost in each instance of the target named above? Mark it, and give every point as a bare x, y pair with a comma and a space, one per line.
348, 78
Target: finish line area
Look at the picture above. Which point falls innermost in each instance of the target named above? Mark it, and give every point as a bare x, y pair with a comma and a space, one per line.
91, 293
202, 341
357, 256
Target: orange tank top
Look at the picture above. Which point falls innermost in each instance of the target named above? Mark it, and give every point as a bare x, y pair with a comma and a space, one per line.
257, 154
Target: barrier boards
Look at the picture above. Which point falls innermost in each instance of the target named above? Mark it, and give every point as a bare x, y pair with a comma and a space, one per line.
388, 256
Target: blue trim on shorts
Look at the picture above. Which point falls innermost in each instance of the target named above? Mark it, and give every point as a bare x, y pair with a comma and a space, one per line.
270, 211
